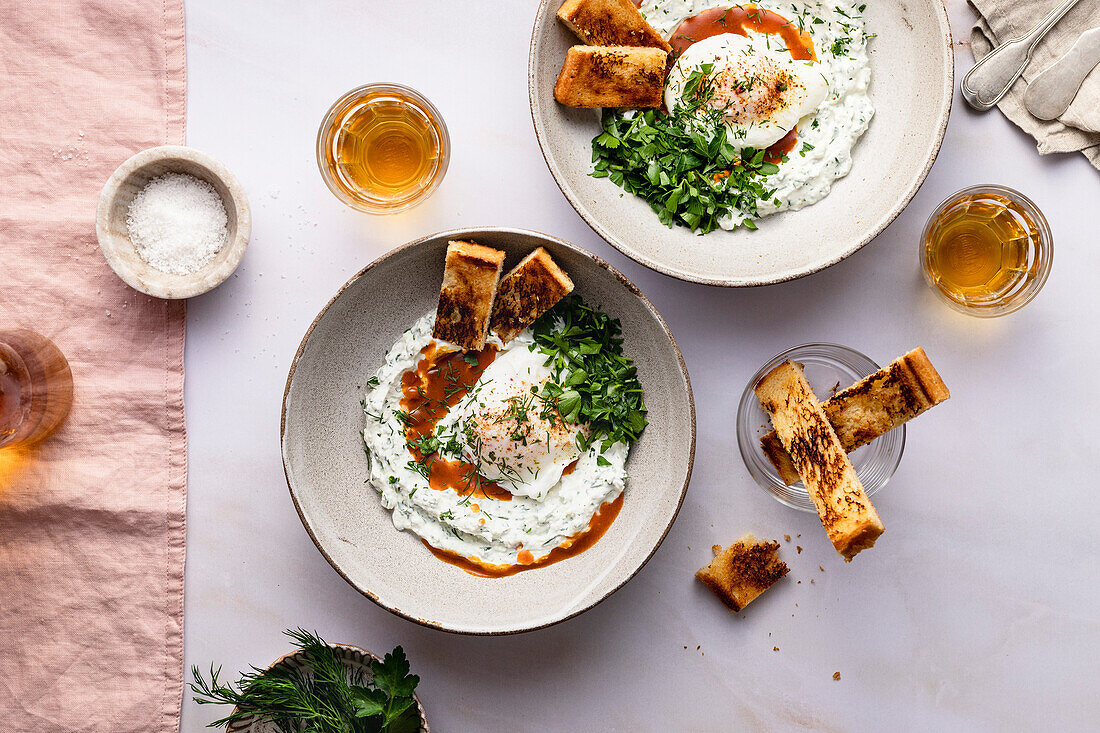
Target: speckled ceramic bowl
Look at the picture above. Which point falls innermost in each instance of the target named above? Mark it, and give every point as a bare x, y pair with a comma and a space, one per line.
356, 660
326, 467
912, 85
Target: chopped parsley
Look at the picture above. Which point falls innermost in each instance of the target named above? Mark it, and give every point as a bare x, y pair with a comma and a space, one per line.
683, 163
593, 382
840, 46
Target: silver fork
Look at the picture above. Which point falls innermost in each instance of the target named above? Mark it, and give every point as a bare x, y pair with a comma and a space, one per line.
991, 78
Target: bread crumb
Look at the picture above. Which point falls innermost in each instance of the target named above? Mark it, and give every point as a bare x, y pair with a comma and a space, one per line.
786, 538
821, 568
775, 648
799, 548
743, 571
836, 675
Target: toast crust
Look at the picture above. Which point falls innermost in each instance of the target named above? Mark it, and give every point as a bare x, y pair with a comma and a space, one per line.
743, 571
531, 288
849, 518
873, 406
466, 297
610, 23
612, 76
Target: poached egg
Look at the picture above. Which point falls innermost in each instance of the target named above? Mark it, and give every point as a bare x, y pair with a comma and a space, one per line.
505, 429
760, 89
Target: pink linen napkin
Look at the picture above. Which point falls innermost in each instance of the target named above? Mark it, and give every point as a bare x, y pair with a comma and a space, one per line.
92, 520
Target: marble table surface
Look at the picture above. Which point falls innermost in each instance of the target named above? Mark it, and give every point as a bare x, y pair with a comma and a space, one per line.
976, 611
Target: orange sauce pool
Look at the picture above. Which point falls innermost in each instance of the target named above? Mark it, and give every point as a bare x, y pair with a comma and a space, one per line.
571, 547
781, 147
439, 381
741, 20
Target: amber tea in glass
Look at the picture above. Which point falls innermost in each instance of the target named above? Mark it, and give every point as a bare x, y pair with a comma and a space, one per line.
36, 387
986, 250
382, 148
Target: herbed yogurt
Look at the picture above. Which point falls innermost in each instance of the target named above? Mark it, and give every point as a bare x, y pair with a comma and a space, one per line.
445, 519
825, 138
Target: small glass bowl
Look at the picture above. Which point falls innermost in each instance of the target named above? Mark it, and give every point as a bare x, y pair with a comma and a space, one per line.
1036, 252
420, 112
829, 368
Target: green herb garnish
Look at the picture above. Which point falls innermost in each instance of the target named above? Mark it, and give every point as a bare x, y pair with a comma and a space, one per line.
325, 697
593, 382
840, 46
683, 163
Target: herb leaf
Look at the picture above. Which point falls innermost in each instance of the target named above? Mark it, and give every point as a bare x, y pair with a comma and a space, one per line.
593, 382
684, 163
368, 702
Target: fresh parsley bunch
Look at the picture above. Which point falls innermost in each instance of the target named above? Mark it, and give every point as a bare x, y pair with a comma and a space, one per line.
326, 698
593, 382
683, 162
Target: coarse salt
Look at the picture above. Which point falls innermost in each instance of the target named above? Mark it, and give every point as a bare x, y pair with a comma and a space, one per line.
177, 223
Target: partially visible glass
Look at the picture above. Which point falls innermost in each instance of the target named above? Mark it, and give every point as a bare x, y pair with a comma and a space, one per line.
383, 148
828, 368
987, 251
36, 387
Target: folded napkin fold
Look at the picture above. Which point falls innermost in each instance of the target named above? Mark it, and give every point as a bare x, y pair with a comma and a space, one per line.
91, 520
1078, 129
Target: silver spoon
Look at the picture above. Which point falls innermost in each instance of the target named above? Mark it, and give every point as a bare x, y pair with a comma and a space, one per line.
1051, 92
991, 78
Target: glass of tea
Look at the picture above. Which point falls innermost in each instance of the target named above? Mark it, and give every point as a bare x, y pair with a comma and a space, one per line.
987, 250
36, 387
383, 148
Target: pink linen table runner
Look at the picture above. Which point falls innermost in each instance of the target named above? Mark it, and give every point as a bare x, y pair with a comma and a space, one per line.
92, 520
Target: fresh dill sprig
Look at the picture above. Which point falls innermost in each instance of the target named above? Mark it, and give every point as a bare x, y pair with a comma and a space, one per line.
321, 696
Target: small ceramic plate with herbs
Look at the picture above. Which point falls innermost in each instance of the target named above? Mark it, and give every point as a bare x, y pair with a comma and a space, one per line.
328, 688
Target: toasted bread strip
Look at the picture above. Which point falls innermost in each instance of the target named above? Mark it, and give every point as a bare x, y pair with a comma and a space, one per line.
743, 570
871, 407
610, 23
847, 514
530, 289
612, 76
466, 298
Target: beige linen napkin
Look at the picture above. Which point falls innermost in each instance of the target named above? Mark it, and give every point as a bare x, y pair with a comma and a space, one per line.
1001, 20
92, 520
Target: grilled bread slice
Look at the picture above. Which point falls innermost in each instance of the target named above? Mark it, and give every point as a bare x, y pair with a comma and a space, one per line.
533, 287
743, 570
875, 405
847, 514
610, 23
466, 298
612, 76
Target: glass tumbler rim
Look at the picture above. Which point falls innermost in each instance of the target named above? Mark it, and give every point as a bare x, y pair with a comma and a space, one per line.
1045, 251
889, 447
423, 105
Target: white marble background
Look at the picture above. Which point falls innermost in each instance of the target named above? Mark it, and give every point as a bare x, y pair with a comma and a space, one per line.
977, 609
